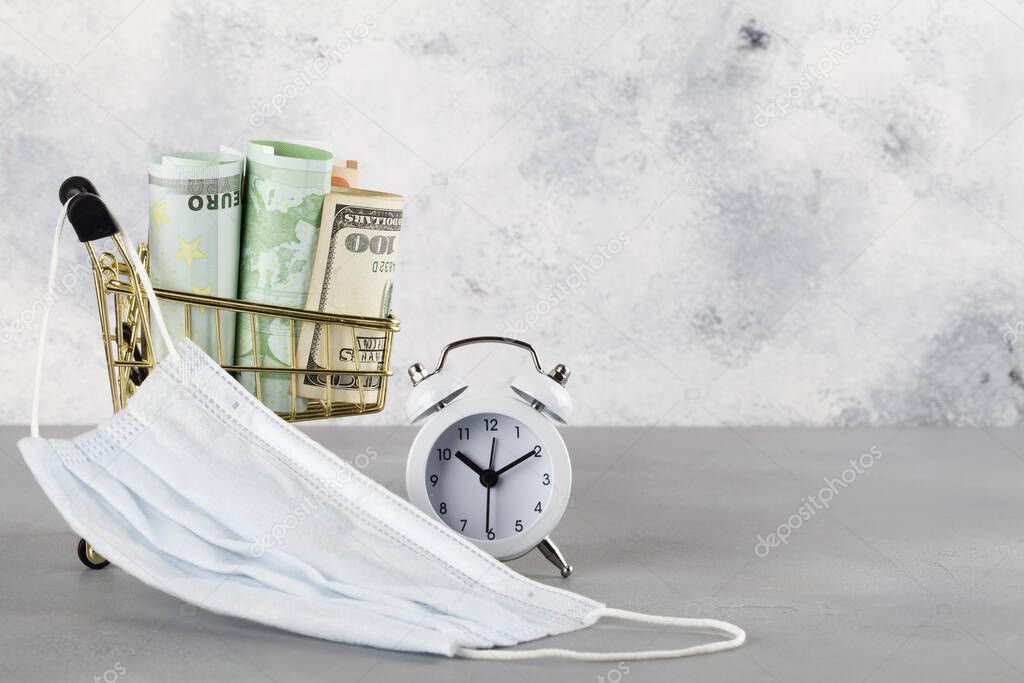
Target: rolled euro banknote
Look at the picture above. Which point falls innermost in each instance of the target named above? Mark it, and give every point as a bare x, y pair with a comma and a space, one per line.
354, 273
285, 186
195, 219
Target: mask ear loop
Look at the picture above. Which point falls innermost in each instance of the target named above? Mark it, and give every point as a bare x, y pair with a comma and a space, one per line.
739, 637
49, 298
154, 304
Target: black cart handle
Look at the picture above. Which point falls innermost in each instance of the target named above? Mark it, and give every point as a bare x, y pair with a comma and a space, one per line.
88, 214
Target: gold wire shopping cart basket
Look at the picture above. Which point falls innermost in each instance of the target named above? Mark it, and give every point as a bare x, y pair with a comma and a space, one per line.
127, 335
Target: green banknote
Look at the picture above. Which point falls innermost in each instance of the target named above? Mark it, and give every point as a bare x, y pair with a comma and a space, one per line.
285, 186
195, 220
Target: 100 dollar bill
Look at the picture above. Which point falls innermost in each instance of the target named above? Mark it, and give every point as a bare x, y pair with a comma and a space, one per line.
353, 274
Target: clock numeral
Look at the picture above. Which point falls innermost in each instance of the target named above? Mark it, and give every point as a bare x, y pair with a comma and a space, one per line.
519, 525
546, 479
490, 424
433, 480
517, 431
463, 525
490, 534
443, 508
444, 454
536, 451
463, 433
536, 508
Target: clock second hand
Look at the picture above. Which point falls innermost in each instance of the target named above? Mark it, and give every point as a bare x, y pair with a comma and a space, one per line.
490, 468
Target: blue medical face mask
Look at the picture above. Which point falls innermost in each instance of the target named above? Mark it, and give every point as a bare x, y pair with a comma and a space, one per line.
179, 487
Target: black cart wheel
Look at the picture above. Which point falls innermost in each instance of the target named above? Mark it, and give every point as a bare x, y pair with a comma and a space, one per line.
89, 557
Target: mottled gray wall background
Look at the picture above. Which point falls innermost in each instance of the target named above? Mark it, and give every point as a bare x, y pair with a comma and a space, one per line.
744, 213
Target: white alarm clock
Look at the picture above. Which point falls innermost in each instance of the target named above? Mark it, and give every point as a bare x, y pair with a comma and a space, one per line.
492, 466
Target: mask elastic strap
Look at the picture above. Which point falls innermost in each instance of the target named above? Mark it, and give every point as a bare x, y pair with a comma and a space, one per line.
50, 297
738, 638
154, 304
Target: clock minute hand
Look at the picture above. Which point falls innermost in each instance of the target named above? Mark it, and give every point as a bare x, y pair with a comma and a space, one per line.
469, 463
518, 460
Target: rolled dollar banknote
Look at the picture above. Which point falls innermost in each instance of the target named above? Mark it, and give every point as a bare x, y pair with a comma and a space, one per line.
354, 274
285, 186
195, 220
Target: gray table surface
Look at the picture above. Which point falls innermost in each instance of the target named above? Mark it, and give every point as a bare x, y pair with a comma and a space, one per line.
915, 571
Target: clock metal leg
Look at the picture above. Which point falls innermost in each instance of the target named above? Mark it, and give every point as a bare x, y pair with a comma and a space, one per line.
555, 557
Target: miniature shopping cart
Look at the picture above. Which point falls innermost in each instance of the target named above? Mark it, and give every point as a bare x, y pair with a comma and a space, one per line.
127, 334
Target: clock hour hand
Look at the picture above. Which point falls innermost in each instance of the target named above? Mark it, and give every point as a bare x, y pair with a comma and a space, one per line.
536, 449
469, 463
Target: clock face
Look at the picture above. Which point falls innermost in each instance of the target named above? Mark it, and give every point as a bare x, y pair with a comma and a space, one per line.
488, 476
